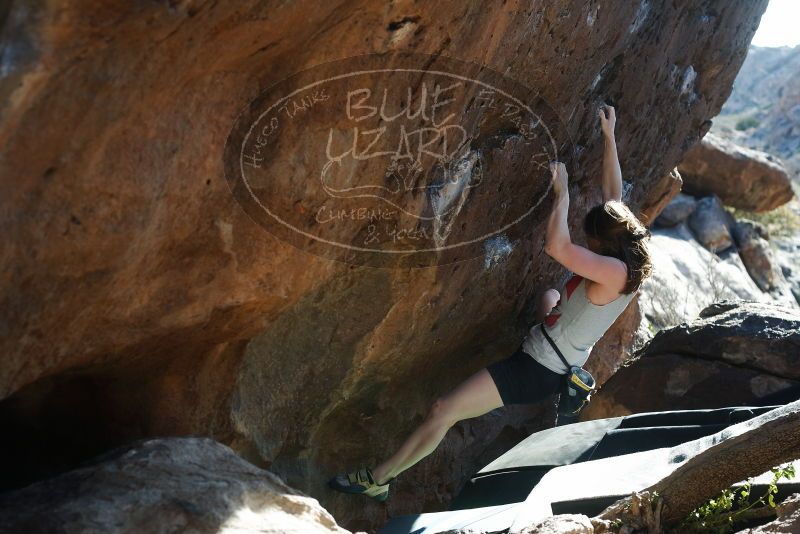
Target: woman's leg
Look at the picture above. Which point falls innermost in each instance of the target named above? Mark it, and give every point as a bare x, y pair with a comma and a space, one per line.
475, 396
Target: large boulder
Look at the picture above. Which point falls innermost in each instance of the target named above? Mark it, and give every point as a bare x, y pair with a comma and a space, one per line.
735, 353
677, 211
163, 486
757, 335
787, 250
688, 275
687, 278
741, 177
139, 298
757, 255
711, 224
682, 382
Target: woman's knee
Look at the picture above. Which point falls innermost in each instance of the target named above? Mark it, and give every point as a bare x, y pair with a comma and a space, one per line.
442, 412
550, 298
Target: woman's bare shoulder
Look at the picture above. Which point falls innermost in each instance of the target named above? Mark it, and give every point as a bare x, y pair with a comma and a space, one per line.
606, 292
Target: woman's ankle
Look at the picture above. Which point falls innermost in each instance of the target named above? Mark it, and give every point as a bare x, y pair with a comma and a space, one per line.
380, 478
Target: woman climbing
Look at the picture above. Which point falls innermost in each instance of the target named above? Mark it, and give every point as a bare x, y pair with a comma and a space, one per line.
607, 275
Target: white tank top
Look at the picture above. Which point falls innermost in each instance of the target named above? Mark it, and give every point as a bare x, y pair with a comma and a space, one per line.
575, 325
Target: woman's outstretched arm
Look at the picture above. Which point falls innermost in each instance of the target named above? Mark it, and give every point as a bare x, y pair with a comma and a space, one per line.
557, 236
559, 246
612, 173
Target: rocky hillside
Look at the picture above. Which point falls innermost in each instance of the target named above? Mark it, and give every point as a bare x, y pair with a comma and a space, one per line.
762, 79
763, 111
139, 299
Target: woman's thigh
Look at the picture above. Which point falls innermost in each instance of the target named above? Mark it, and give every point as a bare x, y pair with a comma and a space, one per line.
475, 396
520, 379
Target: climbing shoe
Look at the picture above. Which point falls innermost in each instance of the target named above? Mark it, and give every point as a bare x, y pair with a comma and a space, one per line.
361, 482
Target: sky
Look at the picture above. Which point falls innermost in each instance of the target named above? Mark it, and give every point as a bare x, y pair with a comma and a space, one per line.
780, 24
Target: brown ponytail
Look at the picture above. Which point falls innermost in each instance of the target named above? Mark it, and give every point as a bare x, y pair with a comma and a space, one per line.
623, 236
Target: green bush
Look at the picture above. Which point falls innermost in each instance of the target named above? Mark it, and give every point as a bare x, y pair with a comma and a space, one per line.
780, 222
718, 516
747, 123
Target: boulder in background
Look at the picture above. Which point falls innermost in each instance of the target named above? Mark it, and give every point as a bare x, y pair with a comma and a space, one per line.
735, 353
757, 335
741, 177
710, 224
677, 211
687, 278
164, 486
757, 255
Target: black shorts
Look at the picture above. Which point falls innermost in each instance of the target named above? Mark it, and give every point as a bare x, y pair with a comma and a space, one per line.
521, 379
